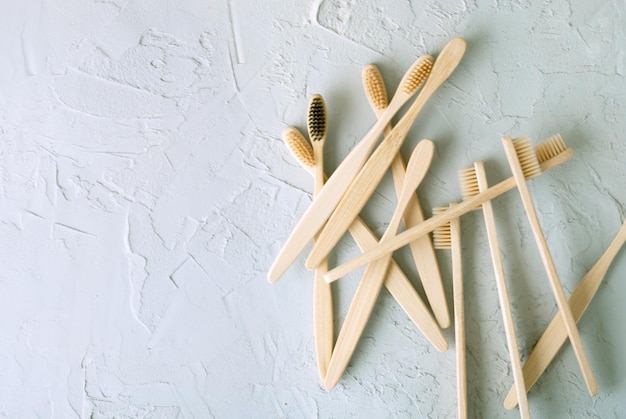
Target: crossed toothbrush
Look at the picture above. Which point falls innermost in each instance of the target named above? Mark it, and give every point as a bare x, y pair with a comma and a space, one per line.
341, 199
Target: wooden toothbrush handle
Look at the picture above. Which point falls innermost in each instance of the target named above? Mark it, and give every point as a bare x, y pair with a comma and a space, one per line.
323, 316
432, 223
422, 249
402, 290
503, 294
548, 263
555, 334
356, 319
459, 318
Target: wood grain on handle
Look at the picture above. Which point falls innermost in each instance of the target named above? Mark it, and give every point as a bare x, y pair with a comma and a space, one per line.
323, 318
555, 334
548, 263
323, 205
372, 172
367, 292
401, 289
415, 232
459, 318
503, 293
422, 249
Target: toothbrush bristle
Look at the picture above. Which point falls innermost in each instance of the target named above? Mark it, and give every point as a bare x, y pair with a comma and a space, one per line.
442, 236
469, 182
417, 74
527, 157
374, 87
317, 119
299, 147
550, 148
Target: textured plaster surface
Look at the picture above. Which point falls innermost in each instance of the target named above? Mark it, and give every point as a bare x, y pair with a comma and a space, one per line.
145, 191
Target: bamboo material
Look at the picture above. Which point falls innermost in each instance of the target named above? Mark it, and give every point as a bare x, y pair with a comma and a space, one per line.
513, 156
372, 172
448, 236
323, 318
396, 282
422, 248
369, 287
430, 224
555, 334
323, 205
503, 293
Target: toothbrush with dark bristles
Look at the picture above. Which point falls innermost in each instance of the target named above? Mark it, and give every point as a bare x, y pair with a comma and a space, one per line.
323, 205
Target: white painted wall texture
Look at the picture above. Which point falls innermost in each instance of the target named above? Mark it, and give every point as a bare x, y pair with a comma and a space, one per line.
145, 191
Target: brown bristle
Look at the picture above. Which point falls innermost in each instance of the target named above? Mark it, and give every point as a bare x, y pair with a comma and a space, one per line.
420, 71
374, 87
299, 147
316, 120
527, 157
442, 237
550, 148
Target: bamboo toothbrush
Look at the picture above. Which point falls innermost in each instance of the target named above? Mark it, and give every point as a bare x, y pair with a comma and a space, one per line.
396, 282
317, 125
422, 249
555, 334
474, 181
415, 232
448, 236
372, 172
369, 287
326, 201
524, 165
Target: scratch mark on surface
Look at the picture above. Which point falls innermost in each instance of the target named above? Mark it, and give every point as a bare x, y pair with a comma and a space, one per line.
236, 33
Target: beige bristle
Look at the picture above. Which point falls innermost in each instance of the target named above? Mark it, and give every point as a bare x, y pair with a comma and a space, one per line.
299, 147
420, 71
374, 87
442, 237
317, 119
550, 148
527, 157
469, 182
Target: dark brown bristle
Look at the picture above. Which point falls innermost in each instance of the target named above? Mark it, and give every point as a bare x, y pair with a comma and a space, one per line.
527, 157
374, 87
417, 75
316, 120
442, 236
550, 148
299, 147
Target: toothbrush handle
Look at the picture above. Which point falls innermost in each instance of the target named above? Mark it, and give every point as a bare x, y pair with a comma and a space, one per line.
548, 263
555, 334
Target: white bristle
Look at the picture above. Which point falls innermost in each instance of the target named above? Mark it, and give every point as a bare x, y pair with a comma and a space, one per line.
442, 237
469, 182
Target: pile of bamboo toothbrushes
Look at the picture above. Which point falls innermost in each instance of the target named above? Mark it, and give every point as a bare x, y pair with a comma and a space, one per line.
339, 199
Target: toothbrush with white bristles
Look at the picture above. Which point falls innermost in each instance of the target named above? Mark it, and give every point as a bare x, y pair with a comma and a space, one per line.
523, 161
473, 182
